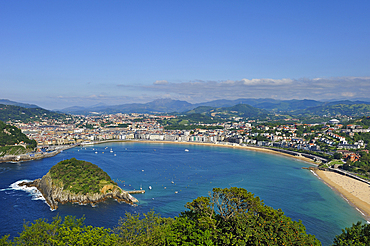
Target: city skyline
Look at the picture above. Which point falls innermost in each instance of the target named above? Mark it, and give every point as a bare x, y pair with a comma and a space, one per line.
62, 54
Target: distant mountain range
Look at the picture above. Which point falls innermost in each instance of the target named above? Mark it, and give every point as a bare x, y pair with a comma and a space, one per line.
239, 108
295, 107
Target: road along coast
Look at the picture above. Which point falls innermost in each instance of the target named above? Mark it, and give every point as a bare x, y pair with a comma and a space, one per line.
356, 192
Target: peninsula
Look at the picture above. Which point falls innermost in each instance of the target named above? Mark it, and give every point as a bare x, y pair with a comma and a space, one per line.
78, 181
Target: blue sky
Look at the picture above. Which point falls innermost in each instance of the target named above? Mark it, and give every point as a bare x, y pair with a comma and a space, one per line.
64, 53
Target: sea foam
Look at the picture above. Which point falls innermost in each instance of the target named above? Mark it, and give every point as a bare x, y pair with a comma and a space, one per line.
33, 191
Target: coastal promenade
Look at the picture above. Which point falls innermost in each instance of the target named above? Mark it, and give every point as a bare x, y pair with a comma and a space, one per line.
345, 173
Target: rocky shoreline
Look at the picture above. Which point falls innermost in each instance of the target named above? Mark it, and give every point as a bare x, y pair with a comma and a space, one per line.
33, 156
54, 194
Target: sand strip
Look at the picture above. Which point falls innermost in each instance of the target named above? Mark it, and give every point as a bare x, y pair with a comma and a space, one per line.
357, 193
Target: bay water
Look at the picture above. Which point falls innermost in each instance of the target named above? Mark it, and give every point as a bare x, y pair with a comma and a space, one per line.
177, 174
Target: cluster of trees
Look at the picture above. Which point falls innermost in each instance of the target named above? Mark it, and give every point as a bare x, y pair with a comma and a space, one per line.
230, 216
361, 166
80, 176
10, 135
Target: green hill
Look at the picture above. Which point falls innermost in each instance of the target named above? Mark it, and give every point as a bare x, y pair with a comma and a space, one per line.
80, 177
10, 135
337, 109
239, 110
17, 113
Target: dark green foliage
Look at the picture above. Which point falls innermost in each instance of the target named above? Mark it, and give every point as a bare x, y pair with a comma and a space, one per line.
235, 216
358, 234
146, 229
70, 231
337, 155
11, 112
361, 166
230, 216
80, 176
4, 241
10, 135
198, 118
363, 121
365, 136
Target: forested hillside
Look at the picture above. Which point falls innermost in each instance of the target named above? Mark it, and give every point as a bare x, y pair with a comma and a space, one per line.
12, 112
10, 135
336, 109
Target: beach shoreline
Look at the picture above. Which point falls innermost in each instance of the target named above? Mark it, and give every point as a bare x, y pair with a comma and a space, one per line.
355, 192
334, 180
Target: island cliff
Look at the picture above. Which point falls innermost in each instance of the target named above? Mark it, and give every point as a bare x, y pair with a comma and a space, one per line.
78, 185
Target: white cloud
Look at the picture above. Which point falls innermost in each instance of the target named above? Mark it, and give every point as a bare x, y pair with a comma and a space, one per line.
285, 89
161, 82
266, 81
348, 94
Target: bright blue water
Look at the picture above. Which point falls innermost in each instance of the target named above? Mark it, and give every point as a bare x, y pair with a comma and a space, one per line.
278, 180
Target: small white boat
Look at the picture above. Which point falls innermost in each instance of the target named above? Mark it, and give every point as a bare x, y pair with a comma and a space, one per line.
96, 152
149, 187
186, 150
111, 150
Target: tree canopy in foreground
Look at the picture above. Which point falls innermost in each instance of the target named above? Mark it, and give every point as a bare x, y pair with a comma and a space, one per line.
230, 216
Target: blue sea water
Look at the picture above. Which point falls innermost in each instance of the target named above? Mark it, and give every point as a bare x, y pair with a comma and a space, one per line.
280, 181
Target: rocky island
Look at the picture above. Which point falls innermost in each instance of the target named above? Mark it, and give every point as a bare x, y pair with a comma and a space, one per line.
80, 182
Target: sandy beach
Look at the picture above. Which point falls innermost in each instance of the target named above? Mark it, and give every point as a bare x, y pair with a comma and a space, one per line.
357, 193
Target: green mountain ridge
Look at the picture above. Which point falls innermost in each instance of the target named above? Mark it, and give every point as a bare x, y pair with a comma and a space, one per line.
293, 107
14, 113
